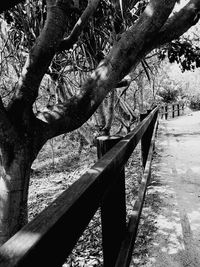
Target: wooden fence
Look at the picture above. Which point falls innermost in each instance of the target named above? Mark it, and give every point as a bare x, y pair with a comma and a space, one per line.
50, 237
171, 110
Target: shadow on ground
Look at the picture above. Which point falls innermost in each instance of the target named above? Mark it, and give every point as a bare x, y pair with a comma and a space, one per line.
169, 230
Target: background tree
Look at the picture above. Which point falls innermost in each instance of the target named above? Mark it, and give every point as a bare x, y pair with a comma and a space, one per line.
138, 28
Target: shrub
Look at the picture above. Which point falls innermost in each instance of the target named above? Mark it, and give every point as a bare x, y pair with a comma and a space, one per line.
195, 102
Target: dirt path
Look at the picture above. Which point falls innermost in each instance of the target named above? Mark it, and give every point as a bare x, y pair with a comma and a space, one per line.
170, 228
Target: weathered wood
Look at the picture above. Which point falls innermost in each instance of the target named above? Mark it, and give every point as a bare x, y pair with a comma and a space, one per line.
105, 143
125, 255
144, 142
178, 110
113, 208
173, 110
166, 112
146, 139
161, 112
113, 217
49, 238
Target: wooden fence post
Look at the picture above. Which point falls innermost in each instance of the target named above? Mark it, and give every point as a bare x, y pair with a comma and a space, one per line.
173, 110
178, 110
161, 112
113, 208
166, 112
182, 108
146, 138
145, 141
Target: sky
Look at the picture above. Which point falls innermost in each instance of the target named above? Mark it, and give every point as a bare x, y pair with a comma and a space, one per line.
179, 6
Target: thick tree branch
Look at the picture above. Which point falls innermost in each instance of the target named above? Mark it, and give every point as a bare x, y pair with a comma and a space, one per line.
175, 26
123, 55
68, 42
40, 57
7, 132
179, 23
126, 53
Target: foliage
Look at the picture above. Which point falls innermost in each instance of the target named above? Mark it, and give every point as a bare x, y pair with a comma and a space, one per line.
169, 95
168, 89
95, 40
69, 69
194, 102
25, 29
47, 183
183, 52
52, 94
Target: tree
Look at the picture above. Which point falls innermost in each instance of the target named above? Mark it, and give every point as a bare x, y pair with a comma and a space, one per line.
23, 133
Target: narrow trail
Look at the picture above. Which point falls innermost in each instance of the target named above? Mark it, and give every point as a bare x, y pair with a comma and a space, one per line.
171, 214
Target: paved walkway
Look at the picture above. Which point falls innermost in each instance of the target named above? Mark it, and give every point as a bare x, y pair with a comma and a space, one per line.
170, 228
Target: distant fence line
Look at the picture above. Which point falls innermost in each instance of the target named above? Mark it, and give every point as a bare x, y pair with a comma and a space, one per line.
171, 110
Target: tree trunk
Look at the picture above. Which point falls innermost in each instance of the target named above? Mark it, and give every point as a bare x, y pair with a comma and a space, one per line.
14, 182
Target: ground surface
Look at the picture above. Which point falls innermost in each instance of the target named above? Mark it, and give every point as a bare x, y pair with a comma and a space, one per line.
59, 165
169, 231
169, 234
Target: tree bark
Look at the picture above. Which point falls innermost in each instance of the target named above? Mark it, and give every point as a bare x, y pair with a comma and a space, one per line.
22, 135
15, 165
19, 145
126, 53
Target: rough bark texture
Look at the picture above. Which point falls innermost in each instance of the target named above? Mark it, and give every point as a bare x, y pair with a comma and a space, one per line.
22, 135
13, 190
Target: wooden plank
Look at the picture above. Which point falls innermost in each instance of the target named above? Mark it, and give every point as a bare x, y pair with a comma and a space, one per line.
166, 112
125, 255
49, 238
173, 110
113, 207
178, 108
105, 143
113, 218
146, 141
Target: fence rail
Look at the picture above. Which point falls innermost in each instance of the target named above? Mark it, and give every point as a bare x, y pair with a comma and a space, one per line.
50, 237
172, 110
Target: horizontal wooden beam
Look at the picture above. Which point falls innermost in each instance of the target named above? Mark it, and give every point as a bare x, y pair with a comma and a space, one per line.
126, 250
50, 237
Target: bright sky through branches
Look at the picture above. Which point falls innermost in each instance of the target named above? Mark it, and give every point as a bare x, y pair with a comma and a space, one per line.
180, 5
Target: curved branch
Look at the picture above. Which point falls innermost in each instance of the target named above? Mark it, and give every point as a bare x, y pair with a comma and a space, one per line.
68, 42
123, 56
40, 57
178, 24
